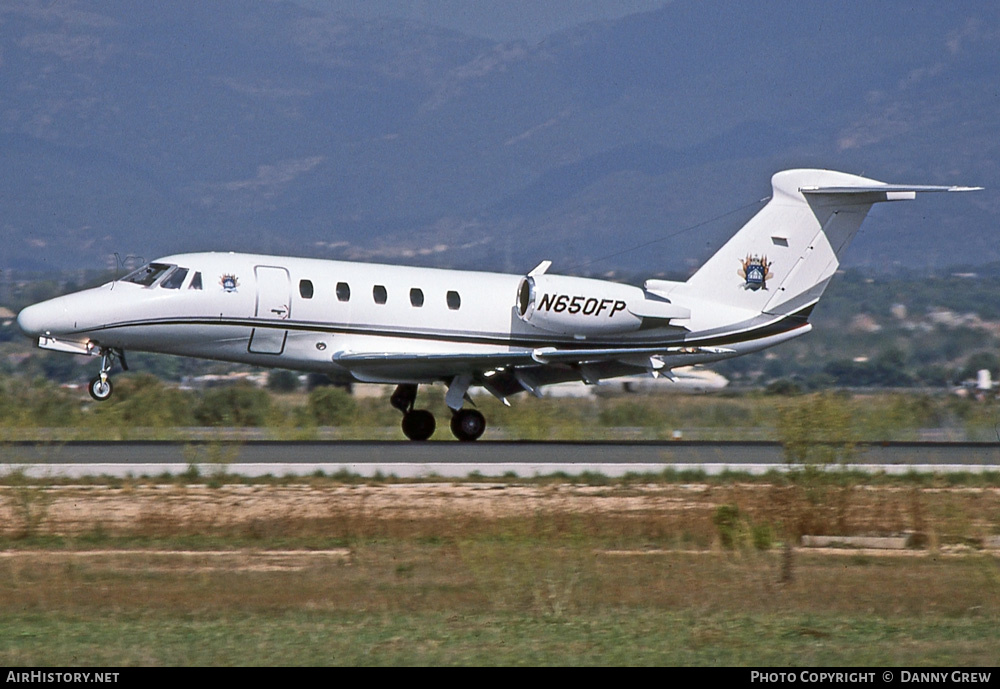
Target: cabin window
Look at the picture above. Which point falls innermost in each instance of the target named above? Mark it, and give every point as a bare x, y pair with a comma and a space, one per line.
454, 300
306, 289
416, 297
343, 291
379, 293
148, 274
175, 279
195, 281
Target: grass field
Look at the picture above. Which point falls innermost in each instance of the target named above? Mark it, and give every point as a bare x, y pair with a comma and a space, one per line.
144, 408
499, 605
321, 571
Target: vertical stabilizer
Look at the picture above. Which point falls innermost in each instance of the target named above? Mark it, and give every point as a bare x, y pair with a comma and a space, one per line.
784, 257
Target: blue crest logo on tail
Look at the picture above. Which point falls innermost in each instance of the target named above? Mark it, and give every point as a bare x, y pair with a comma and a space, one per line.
755, 271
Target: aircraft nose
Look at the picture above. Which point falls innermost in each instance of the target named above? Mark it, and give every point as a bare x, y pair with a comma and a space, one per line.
32, 319
47, 318
67, 315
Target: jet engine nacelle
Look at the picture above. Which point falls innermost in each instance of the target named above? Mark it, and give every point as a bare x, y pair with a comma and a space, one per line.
577, 306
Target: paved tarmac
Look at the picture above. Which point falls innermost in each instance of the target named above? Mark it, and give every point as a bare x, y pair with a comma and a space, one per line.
454, 459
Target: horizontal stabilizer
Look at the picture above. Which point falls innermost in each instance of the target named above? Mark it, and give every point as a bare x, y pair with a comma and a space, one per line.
891, 190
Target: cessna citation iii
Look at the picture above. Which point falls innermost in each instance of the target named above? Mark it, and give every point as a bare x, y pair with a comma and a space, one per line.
506, 333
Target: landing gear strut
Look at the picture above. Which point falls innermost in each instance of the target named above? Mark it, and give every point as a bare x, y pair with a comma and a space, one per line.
100, 386
418, 424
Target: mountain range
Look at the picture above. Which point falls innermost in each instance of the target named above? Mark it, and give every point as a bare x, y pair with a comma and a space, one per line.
629, 146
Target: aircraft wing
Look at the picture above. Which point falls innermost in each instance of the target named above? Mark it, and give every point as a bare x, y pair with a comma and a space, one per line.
505, 373
445, 362
542, 355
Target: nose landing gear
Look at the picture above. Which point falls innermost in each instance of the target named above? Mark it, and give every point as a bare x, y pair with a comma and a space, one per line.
100, 387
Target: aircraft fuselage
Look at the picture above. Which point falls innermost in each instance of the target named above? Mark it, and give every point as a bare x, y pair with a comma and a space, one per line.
506, 333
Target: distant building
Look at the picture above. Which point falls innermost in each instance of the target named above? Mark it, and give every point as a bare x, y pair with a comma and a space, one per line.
864, 323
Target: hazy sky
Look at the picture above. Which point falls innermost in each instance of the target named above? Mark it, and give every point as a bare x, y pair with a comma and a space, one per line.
502, 20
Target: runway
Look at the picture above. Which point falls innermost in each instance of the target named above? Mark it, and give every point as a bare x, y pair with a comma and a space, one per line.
458, 460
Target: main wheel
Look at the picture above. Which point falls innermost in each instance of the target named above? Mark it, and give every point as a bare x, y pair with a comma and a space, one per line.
99, 389
468, 424
418, 424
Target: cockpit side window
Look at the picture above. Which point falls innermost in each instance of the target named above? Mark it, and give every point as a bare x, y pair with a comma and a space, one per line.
148, 274
195, 281
175, 279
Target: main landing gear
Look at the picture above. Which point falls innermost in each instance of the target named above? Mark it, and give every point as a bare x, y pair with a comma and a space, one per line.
100, 386
419, 424
467, 424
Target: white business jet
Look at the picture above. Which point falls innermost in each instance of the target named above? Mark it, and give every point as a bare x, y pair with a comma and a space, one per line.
506, 333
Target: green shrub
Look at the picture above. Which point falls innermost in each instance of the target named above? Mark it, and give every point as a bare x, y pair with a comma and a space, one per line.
738, 532
38, 403
235, 405
728, 523
143, 400
282, 381
818, 429
332, 406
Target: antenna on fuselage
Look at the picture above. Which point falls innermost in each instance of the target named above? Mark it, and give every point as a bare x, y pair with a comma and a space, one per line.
669, 236
120, 263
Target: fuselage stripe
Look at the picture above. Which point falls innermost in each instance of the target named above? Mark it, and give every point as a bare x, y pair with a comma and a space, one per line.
779, 325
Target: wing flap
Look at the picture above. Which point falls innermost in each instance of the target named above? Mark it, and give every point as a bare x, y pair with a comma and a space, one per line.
505, 372
459, 359
551, 355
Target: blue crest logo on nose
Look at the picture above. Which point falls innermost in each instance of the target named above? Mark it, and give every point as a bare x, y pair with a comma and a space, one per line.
229, 283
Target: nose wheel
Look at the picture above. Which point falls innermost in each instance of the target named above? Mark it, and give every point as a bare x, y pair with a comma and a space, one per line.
100, 387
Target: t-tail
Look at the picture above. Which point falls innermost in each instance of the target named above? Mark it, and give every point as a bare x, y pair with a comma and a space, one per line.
781, 261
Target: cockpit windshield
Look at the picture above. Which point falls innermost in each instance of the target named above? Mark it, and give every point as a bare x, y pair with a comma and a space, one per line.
175, 279
148, 274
